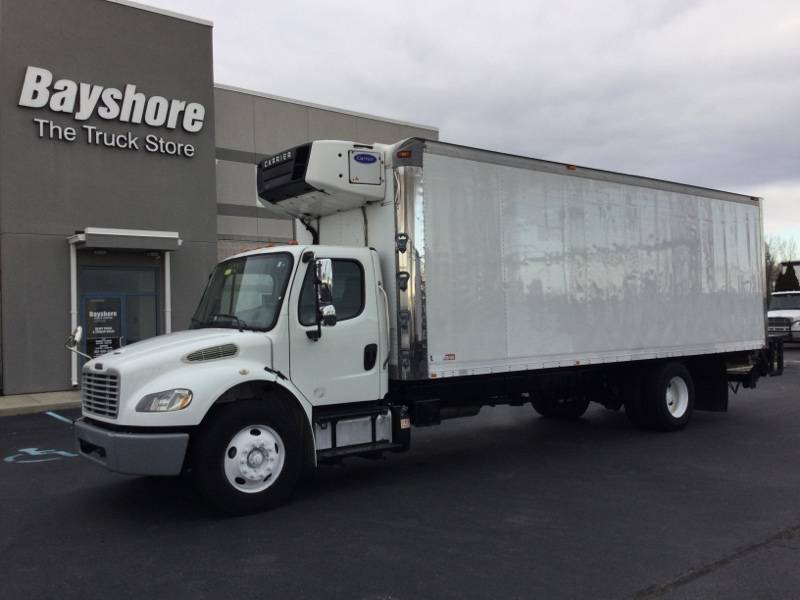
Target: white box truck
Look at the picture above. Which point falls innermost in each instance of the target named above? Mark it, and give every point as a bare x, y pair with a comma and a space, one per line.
435, 279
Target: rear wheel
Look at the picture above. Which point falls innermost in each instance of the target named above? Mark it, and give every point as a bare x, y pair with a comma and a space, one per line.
661, 399
248, 457
543, 407
561, 408
669, 397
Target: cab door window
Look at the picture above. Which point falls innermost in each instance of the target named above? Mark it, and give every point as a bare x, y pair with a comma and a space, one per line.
348, 292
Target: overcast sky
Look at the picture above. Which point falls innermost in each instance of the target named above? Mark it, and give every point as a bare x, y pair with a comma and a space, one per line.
698, 91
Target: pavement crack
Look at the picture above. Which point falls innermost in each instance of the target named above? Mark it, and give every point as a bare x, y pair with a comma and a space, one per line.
657, 590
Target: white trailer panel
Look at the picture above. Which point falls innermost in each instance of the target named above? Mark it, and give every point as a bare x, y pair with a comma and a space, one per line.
527, 269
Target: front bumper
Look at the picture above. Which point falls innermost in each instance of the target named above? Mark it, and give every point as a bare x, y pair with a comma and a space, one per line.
788, 336
132, 453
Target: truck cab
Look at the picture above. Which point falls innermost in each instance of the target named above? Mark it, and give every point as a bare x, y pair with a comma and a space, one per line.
305, 326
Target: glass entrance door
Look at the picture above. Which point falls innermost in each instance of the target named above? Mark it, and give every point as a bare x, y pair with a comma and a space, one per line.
119, 306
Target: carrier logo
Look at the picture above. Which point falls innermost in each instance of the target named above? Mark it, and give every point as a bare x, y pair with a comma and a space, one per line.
277, 159
84, 100
366, 159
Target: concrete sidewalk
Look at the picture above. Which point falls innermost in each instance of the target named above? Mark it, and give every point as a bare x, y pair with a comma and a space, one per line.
32, 403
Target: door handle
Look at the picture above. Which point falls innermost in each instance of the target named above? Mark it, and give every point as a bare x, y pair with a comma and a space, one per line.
370, 356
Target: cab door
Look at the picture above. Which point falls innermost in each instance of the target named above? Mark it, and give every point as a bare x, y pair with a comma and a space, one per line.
342, 366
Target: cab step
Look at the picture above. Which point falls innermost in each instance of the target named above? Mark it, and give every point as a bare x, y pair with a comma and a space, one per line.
360, 430
375, 448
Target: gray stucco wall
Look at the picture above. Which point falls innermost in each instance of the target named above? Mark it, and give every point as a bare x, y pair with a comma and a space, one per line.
49, 189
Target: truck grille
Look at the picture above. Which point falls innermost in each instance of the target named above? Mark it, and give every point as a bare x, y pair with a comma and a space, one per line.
779, 325
100, 394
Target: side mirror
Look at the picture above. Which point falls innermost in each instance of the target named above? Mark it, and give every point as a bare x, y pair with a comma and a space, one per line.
326, 312
323, 285
75, 339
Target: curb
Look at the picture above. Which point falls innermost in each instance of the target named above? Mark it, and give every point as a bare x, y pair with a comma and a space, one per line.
24, 404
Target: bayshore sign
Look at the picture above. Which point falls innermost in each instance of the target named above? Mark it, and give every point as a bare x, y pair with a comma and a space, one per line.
41, 90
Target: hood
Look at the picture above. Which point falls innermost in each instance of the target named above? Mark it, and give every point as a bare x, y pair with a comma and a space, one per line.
201, 338
165, 352
161, 363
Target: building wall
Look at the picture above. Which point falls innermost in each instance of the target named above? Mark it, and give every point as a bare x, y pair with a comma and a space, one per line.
50, 188
250, 126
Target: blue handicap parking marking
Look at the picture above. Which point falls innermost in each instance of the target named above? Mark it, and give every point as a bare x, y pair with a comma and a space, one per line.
35, 455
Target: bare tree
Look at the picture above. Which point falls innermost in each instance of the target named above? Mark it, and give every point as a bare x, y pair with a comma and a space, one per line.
778, 250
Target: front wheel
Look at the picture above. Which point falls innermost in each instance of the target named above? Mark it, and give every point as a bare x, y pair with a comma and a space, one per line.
248, 457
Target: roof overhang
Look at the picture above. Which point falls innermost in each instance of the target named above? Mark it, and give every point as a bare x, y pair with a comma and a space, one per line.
126, 239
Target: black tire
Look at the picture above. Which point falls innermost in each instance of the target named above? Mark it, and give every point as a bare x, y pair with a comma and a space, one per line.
543, 407
568, 409
210, 446
669, 397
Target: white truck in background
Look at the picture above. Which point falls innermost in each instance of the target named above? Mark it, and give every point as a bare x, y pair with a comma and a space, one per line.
434, 280
784, 315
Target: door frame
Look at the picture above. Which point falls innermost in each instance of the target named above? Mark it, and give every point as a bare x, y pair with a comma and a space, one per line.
128, 241
330, 392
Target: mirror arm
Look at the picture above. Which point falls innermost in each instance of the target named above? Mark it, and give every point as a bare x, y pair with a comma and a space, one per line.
78, 352
73, 340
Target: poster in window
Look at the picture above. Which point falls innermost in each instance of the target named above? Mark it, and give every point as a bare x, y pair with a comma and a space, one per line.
102, 325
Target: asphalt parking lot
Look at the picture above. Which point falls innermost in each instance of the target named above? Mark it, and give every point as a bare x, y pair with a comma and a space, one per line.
503, 505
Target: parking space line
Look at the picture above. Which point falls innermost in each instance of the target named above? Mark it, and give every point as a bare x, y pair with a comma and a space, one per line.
55, 415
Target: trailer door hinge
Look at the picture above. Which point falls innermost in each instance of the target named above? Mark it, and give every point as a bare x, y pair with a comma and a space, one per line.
402, 280
401, 242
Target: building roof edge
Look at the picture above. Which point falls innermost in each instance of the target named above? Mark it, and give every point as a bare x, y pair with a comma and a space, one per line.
231, 88
164, 12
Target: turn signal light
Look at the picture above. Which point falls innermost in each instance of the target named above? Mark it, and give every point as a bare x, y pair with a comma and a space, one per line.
404, 154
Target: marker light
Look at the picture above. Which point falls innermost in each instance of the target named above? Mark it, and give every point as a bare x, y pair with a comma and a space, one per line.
404, 154
165, 401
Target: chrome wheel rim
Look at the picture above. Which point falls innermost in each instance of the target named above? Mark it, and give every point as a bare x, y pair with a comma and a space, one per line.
677, 397
254, 459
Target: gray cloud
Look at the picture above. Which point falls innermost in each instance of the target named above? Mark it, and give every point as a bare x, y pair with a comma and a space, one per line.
699, 91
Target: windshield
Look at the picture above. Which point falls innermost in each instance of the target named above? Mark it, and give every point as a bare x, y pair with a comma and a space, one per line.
785, 302
245, 293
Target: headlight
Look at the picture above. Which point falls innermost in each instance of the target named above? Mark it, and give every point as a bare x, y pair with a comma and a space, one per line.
796, 326
165, 401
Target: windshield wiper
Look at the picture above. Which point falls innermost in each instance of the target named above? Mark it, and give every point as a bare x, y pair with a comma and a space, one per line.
240, 325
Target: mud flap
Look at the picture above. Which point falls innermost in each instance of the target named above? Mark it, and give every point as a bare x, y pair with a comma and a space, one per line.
710, 384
